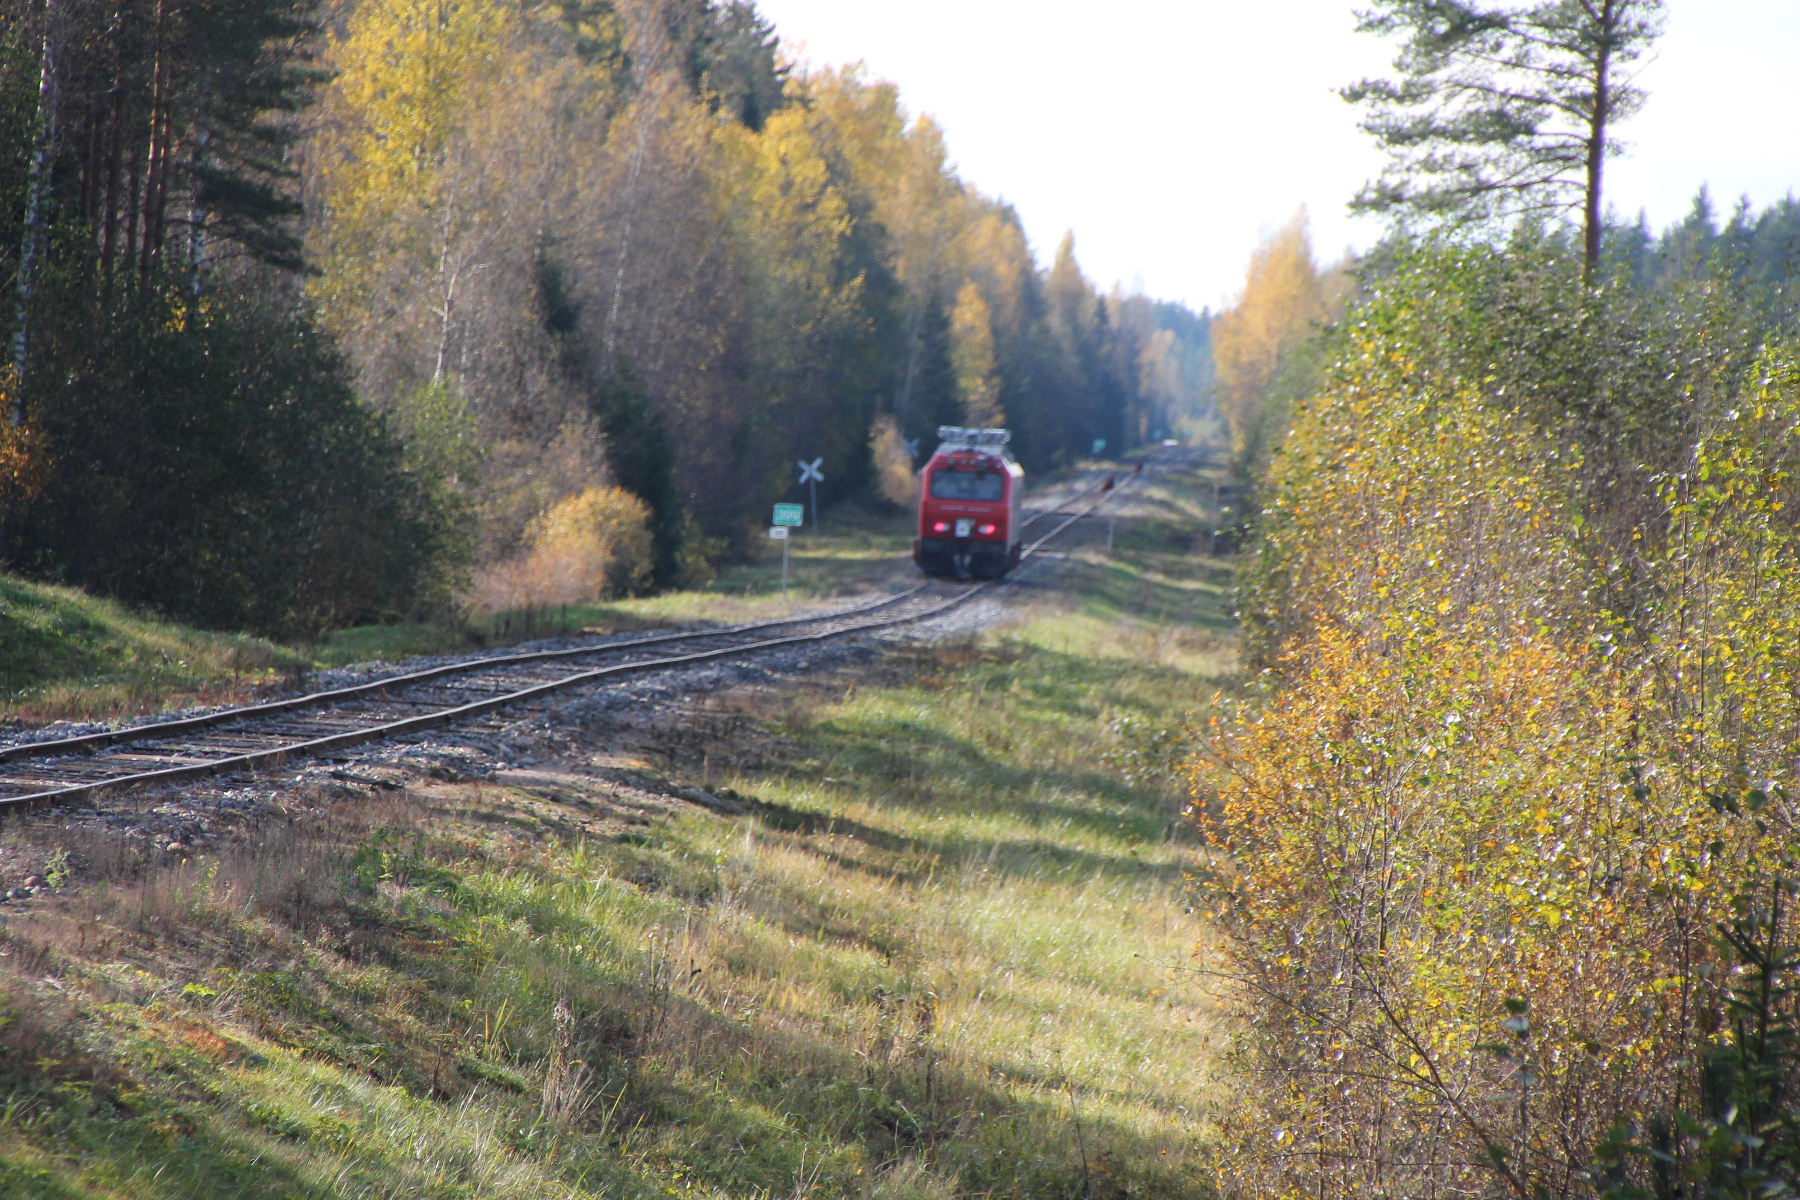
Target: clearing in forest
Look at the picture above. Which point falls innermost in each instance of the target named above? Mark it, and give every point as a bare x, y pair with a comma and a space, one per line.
941, 951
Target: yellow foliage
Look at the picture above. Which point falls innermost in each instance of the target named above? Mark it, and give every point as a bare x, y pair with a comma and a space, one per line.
585, 547
796, 218
412, 72
944, 236
1426, 827
1482, 833
895, 478
902, 171
1284, 296
1728, 648
1404, 499
972, 355
24, 460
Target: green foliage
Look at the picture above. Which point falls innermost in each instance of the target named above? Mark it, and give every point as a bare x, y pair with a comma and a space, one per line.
1148, 754
438, 430
205, 456
1758, 248
391, 856
743, 74
212, 462
1502, 109
218, 84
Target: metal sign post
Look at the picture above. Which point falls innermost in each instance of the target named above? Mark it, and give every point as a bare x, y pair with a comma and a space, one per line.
786, 517
779, 533
812, 477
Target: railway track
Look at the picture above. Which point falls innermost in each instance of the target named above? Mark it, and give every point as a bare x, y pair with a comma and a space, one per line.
67, 770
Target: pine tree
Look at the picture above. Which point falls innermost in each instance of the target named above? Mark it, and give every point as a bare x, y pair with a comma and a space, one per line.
1502, 109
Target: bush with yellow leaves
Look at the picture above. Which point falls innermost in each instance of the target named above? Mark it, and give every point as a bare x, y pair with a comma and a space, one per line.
584, 547
1484, 826
895, 479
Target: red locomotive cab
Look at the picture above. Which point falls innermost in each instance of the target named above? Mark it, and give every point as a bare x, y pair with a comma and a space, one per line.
969, 506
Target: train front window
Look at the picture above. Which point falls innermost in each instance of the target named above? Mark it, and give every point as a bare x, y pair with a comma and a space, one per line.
967, 485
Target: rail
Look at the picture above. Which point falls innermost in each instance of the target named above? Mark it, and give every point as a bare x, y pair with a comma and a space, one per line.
244, 718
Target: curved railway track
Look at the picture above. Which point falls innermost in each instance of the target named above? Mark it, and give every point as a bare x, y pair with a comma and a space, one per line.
65, 770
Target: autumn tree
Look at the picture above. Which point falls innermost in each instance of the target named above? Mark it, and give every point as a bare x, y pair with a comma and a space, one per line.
1502, 109
1259, 343
977, 380
444, 179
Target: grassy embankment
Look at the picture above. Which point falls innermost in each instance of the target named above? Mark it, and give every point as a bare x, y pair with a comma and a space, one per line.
64, 653
67, 655
934, 959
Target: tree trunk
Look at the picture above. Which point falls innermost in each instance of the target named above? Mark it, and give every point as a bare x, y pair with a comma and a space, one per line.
133, 202
156, 181
1596, 143
36, 187
115, 159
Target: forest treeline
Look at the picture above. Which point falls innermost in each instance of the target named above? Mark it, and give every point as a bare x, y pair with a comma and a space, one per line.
1513, 807
324, 314
1271, 344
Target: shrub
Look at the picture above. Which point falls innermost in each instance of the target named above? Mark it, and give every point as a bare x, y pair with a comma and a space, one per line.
1469, 920
586, 546
895, 480
1524, 606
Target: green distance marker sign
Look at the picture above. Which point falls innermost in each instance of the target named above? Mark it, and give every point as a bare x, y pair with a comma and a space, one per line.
790, 514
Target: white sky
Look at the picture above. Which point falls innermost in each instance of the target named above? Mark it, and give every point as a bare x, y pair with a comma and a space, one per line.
1171, 135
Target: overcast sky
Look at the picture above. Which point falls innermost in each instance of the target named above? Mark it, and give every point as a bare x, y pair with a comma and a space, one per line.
1171, 135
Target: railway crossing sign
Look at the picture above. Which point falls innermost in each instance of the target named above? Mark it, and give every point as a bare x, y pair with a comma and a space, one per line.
912, 447
812, 477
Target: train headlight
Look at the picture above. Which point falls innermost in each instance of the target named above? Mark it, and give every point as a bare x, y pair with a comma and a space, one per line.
984, 529
941, 527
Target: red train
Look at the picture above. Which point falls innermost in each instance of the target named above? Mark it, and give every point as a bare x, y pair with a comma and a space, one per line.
969, 497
